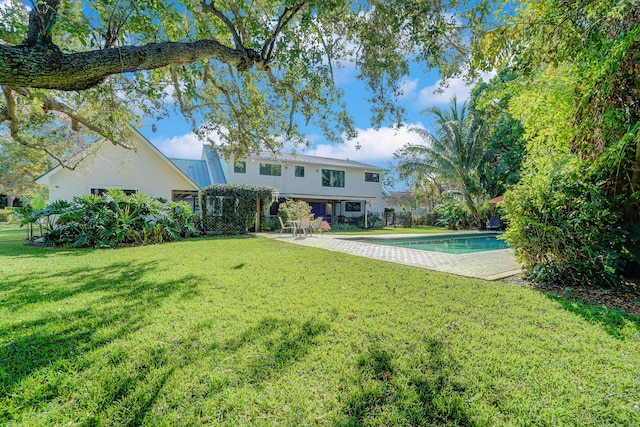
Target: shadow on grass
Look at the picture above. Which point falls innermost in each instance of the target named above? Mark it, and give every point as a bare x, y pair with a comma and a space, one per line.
276, 344
612, 320
56, 337
123, 277
429, 397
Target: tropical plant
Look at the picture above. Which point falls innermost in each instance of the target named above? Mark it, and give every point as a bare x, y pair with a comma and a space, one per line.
452, 214
111, 220
454, 155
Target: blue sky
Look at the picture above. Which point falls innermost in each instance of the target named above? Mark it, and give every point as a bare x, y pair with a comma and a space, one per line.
175, 139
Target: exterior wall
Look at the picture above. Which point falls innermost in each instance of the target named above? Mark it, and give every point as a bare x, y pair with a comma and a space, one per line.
113, 166
311, 184
355, 187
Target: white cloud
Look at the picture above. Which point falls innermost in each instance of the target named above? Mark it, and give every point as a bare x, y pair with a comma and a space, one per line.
180, 147
431, 95
376, 146
408, 88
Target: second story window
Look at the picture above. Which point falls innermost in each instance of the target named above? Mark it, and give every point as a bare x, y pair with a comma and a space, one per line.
299, 172
332, 178
371, 177
240, 167
270, 169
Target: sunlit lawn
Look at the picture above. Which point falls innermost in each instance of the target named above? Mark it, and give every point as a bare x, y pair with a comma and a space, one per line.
251, 331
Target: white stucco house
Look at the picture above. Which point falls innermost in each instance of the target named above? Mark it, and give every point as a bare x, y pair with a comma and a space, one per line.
336, 189
146, 169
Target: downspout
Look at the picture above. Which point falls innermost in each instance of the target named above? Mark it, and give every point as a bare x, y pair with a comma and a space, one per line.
366, 225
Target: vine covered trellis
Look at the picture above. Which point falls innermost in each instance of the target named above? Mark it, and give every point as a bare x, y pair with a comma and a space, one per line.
232, 208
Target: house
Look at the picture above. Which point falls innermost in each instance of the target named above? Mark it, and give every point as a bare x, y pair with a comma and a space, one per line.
338, 190
146, 169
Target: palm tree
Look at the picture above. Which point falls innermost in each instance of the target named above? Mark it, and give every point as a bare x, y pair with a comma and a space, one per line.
455, 154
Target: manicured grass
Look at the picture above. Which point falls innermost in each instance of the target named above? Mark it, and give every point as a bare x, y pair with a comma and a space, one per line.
250, 331
11, 232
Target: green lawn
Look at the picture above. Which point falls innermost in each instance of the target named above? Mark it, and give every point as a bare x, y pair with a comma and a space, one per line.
251, 331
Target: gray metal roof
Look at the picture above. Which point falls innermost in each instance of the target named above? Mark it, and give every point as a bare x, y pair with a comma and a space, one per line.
194, 169
316, 160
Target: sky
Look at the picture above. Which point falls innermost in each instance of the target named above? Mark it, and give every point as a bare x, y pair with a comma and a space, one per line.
174, 138
376, 146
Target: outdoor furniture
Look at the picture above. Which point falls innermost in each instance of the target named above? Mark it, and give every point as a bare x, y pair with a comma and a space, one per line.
494, 224
289, 225
315, 227
305, 225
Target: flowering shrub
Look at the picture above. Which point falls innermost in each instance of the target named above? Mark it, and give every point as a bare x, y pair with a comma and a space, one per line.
294, 209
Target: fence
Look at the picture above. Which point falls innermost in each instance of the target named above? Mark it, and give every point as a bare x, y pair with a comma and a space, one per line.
397, 219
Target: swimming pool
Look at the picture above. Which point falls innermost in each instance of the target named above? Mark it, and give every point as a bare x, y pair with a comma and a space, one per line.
448, 243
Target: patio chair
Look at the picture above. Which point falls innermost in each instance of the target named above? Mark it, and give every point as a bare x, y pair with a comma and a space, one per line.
494, 224
305, 225
315, 227
284, 227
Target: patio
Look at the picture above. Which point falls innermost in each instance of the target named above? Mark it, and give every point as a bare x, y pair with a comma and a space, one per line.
489, 265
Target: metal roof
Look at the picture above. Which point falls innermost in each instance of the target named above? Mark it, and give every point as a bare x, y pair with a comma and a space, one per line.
194, 169
215, 165
316, 160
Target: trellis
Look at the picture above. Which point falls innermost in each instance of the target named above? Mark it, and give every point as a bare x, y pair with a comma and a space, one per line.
233, 208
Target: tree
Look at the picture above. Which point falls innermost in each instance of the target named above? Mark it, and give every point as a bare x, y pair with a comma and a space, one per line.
577, 96
248, 72
454, 155
19, 166
597, 42
505, 147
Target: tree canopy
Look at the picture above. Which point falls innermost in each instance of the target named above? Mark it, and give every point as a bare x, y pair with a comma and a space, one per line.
248, 72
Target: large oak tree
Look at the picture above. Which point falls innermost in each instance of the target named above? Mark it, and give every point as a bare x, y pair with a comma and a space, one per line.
247, 72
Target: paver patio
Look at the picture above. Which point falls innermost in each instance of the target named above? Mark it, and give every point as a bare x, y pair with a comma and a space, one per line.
488, 265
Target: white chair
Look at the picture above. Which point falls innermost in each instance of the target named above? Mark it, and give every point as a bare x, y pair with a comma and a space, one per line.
284, 227
315, 227
305, 225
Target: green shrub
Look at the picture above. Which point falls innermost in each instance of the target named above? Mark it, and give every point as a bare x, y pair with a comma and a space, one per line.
453, 215
564, 229
294, 210
6, 215
111, 220
427, 218
344, 227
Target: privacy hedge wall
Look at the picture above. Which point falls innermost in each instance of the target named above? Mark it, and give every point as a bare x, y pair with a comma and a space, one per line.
231, 208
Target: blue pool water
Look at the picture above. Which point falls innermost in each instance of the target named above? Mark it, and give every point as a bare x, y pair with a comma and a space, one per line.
451, 244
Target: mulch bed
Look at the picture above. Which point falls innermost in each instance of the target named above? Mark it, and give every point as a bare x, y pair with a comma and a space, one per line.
626, 297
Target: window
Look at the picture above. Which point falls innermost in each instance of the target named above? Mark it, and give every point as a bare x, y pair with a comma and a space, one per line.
270, 169
240, 167
299, 172
372, 177
332, 178
352, 206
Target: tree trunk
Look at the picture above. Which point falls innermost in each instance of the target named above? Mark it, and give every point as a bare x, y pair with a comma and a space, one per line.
10, 200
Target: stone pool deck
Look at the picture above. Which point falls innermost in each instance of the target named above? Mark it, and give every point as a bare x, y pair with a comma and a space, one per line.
489, 265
